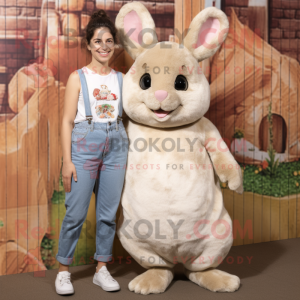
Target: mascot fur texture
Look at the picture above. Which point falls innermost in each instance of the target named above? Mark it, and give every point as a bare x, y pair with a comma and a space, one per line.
174, 215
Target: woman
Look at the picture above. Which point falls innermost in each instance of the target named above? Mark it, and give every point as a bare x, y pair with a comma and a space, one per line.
91, 151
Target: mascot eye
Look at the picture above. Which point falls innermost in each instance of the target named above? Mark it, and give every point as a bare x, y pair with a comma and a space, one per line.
145, 81
181, 83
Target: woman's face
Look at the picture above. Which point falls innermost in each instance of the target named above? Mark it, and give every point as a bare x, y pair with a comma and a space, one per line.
102, 45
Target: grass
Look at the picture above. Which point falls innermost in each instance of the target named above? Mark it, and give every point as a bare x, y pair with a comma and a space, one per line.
285, 183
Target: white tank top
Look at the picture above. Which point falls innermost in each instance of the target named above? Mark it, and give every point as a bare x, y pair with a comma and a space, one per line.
104, 94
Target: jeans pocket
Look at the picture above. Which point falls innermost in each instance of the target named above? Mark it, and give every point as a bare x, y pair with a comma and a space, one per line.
78, 134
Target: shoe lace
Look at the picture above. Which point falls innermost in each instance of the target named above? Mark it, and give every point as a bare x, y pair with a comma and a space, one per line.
107, 275
65, 278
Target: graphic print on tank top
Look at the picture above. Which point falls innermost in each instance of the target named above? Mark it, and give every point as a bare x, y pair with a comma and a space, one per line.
104, 110
104, 93
104, 96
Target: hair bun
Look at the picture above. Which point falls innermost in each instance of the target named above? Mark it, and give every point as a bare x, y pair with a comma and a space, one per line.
99, 14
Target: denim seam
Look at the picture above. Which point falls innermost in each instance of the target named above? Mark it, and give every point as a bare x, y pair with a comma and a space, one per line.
99, 206
106, 257
78, 141
69, 260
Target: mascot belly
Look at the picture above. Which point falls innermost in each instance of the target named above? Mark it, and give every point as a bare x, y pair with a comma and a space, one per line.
172, 200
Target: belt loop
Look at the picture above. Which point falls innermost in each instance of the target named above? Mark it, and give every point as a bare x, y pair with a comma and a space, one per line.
92, 125
117, 123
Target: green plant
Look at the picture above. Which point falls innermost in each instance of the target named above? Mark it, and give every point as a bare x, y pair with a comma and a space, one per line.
238, 134
286, 184
59, 196
47, 252
273, 164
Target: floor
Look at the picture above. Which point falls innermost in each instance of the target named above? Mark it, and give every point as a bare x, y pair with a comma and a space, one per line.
267, 270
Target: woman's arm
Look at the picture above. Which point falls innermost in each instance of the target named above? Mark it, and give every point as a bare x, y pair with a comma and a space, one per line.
69, 114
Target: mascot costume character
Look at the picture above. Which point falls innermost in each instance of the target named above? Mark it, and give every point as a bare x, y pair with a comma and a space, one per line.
172, 205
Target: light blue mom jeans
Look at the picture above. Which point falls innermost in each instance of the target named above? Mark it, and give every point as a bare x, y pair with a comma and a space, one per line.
99, 153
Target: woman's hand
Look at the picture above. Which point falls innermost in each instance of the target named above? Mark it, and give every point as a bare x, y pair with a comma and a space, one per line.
68, 170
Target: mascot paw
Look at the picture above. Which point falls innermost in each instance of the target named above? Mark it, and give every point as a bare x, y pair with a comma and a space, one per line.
154, 281
235, 183
240, 189
215, 280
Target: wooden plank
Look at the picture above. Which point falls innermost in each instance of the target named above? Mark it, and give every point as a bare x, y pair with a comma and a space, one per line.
58, 212
178, 22
292, 218
24, 181
284, 219
62, 51
4, 182
298, 216
12, 262
298, 151
118, 63
266, 226
187, 14
248, 217
275, 203
12, 191
238, 213
257, 223
228, 201
238, 205
274, 219
196, 7
258, 21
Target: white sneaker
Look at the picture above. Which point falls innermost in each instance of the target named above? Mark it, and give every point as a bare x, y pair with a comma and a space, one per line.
105, 280
63, 283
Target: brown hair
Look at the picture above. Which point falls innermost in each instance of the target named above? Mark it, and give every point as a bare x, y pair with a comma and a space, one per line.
99, 19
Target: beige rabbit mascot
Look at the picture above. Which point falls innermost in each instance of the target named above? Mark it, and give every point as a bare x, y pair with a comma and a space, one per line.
172, 204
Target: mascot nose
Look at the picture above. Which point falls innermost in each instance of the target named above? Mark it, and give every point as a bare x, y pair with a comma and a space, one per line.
161, 95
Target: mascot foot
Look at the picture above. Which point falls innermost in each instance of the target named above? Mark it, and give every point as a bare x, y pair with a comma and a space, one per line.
155, 281
214, 280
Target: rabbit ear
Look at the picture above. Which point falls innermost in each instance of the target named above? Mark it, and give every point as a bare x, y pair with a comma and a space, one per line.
206, 33
136, 28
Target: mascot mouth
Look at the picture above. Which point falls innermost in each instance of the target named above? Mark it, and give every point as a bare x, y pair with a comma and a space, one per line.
161, 113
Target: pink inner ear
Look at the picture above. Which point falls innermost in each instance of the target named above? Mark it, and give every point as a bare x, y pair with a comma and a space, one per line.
208, 31
132, 20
